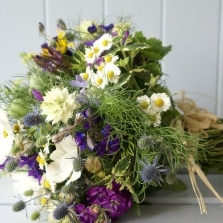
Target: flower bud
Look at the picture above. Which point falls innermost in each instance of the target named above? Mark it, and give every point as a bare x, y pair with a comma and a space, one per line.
28, 193
41, 141
19, 206
61, 24
17, 108
35, 215
93, 164
11, 165
15, 149
41, 27
38, 82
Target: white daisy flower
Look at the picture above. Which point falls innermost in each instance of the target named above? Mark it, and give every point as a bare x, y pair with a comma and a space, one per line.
154, 118
61, 168
160, 102
104, 42
112, 73
6, 136
86, 76
110, 58
90, 56
41, 160
99, 80
144, 102
58, 105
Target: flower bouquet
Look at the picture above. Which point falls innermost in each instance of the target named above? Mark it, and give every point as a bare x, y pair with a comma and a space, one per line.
92, 126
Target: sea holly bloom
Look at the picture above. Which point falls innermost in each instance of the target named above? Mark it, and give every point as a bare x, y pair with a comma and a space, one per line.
6, 136
144, 102
151, 172
58, 105
61, 168
160, 102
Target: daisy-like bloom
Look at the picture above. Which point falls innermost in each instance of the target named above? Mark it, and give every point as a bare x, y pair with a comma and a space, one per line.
58, 105
110, 58
144, 102
99, 80
90, 55
87, 75
104, 42
112, 73
160, 102
6, 136
154, 118
41, 160
151, 172
61, 168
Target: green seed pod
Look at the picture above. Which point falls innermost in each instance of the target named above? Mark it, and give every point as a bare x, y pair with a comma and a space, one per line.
68, 189
19, 206
78, 164
41, 141
35, 215
41, 27
11, 165
15, 149
28, 193
61, 24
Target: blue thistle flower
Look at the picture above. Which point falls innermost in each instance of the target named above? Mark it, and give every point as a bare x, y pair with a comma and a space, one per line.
32, 119
61, 211
151, 172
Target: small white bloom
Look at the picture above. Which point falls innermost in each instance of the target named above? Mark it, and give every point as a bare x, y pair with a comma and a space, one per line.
112, 73
58, 105
41, 160
104, 42
86, 76
144, 102
160, 102
154, 118
6, 136
61, 168
99, 80
110, 58
90, 56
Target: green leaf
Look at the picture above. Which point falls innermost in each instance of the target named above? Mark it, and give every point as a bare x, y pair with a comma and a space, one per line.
176, 187
136, 46
121, 166
123, 62
122, 80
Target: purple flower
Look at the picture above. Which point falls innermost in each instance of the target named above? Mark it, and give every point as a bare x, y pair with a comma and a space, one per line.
79, 82
108, 27
37, 95
87, 214
33, 166
115, 202
92, 29
81, 141
126, 34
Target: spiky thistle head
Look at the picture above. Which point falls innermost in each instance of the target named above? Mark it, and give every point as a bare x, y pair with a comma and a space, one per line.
151, 172
61, 211
78, 164
32, 119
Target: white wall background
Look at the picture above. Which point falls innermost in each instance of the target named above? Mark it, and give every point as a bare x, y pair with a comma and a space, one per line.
193, 27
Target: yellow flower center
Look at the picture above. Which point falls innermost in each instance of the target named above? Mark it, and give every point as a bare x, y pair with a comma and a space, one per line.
101, 67
43, 200
108, 58
85, 76
96, 50
99, 81
159, 102
40, 160
152, 118
47, 184
110, 74
144, 105
5, 133
90, 54
104, 42
16, 127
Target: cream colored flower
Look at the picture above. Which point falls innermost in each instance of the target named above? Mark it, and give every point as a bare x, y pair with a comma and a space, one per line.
144, 102
99, 80
160, 102
104, 42
61, 168
6, 136
58, 105
112, 72
154, 118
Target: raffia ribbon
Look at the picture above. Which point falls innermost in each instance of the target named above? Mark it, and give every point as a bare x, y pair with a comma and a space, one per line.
194, 168
196, 120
